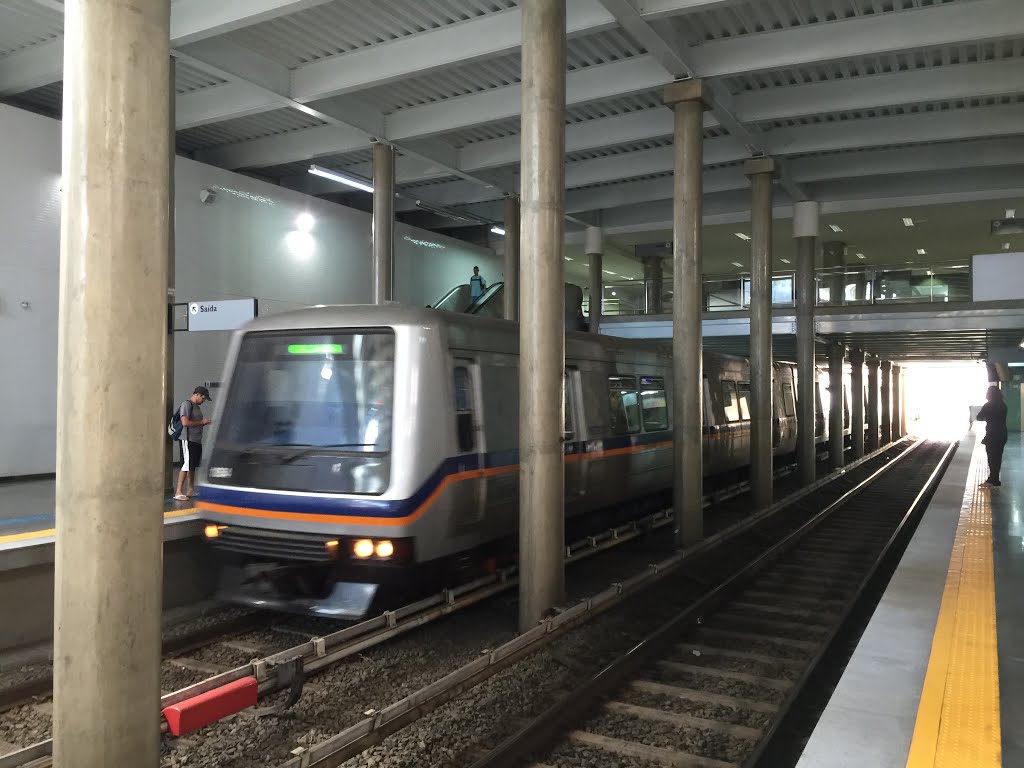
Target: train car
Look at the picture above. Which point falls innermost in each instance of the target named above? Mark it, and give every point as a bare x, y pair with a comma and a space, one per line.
361, 450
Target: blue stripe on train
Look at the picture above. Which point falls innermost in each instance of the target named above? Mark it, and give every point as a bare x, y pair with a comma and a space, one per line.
370, 507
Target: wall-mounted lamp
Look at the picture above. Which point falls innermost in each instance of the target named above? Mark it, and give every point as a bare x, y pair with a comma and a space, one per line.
207, 196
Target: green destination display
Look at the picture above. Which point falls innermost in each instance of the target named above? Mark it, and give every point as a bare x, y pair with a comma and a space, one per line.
316, 349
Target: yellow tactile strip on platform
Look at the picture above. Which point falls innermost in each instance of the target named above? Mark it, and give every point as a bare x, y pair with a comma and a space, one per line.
28, 535
958, 717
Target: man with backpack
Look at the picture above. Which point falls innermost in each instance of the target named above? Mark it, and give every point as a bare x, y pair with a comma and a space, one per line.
188, 423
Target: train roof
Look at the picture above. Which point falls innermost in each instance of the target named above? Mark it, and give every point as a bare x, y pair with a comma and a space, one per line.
393, 313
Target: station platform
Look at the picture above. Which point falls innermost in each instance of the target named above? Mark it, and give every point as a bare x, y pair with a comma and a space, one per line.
27, 515
937, 678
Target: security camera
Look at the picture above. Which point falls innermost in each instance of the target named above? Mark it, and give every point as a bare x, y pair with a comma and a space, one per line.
207, 196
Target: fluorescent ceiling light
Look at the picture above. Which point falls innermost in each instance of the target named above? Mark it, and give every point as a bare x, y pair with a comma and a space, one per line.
567, 258
835, 227
341, 178
736, 264
785, 261
609, 273
921, 252
860, 255
498, 230
742, 236
1011, 213
907, 221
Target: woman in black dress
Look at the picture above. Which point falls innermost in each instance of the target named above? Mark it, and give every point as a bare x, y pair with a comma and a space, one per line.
993, 413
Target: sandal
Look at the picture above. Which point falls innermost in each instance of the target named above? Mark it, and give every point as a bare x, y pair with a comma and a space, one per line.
181, 497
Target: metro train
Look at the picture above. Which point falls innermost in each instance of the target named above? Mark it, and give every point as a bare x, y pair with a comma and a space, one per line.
360, 450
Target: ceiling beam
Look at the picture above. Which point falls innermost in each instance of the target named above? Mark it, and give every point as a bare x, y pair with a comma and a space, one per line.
221, 102
191, 21
644, 73
935, 25
878, 193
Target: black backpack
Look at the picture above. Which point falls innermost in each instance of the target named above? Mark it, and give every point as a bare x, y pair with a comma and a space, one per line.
174, 426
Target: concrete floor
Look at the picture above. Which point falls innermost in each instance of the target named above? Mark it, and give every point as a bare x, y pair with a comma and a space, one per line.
871, 716
29, 505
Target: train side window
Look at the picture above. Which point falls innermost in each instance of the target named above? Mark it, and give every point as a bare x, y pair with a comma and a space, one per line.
788, 400
744, 400
730, 401
464, 410
624, 405
653, 403
708, 415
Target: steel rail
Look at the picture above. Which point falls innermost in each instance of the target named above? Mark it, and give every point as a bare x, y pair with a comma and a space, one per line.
544, 731
380, 724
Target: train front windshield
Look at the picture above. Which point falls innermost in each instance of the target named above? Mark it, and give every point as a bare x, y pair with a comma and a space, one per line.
302, 398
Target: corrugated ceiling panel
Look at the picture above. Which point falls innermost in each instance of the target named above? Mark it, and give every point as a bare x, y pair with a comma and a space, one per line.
618, 149
347, 25
48, 100
937, 107
245, 128
24, 23
904, 61
755, 16
497, 72
188, 78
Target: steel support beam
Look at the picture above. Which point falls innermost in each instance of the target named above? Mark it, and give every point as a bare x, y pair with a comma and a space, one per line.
542, 326
511, 260
805, 231
594, 248
886, 410
687, 100
836, 439
114, 252
383, 223
761, 172
857, 402
871, 438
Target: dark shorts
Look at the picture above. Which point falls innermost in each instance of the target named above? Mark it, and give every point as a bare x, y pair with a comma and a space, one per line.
191, 455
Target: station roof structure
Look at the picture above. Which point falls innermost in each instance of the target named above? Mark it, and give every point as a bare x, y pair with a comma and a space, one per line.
874, 108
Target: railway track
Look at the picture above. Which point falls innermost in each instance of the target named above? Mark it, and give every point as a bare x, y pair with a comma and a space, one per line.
288, 668
713, 686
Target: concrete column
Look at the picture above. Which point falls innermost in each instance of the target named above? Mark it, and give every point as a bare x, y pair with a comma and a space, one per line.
511, 290
654, 283
857, 402
170, 471
886, 410
897, 401
595, 255
761, 171
805, 230
112, 340
836, 444
688, 103
383, 222
542, 332
872, 432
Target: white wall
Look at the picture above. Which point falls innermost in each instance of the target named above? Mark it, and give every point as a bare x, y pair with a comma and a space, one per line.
236, 247
997, 276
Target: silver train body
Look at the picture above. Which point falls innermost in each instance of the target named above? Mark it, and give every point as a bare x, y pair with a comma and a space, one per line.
357, 447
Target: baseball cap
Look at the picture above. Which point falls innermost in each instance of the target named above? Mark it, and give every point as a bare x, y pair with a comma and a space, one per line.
202, 391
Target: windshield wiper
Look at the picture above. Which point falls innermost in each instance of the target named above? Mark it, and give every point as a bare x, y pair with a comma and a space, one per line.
310, 449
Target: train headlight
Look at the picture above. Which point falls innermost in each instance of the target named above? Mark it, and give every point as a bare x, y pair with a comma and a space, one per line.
363, 548
385, 549
213, 531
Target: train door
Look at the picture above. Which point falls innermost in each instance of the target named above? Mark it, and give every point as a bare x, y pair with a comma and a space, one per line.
575, 470
777, 412
470, 494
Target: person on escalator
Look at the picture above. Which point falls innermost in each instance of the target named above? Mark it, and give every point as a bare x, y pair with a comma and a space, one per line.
477, 284
993, 413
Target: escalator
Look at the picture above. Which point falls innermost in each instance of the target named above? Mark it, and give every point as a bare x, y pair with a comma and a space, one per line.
491, 303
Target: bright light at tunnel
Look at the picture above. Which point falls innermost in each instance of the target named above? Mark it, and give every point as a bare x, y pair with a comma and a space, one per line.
945, 411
